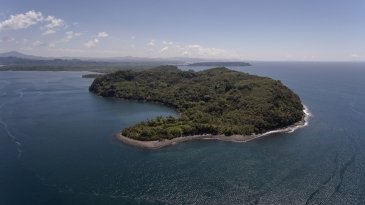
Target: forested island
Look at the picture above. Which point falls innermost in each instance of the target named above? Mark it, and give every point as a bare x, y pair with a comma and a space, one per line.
216, 101
220, 64
92, 75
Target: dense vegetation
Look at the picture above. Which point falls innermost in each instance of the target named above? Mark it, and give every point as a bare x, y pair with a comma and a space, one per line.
220, 64
214, 101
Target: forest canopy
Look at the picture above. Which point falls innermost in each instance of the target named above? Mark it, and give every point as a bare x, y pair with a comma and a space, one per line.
213, 101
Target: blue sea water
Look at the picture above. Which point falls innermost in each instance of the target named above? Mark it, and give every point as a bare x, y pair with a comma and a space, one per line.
57, 146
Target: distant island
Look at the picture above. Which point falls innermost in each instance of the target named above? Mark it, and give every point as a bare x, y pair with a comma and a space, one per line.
219, 64
92, 75
217, 103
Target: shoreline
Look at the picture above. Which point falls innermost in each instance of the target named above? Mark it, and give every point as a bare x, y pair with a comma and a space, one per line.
233, 138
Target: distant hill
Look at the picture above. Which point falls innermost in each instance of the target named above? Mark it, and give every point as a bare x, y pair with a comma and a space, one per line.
16, 54
14, 57
220, 64
22, 62
13, 60
170, 60
9, 62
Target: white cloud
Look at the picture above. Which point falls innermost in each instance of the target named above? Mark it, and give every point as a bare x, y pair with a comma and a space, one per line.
164, 49
171, 49
25, 20
167, 42
186, 53
355, 55
151, 43
52, 25
70, 35
21, 21
92, 43
54, 22
103, 34
198, 50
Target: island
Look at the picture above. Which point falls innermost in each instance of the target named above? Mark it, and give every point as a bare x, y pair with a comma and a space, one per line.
220, 64
217, 103
92, 75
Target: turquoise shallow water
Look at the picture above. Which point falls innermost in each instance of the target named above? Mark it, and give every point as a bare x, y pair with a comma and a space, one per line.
57, 146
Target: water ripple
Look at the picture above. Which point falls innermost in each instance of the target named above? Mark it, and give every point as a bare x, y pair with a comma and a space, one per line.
6, 126
13, 137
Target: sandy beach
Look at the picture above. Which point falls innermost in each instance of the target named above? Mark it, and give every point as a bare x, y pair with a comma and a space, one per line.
233, 138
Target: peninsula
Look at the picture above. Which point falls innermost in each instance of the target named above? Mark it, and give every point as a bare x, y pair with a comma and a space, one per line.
217, 103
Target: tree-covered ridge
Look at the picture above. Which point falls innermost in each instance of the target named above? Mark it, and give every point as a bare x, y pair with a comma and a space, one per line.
214, 101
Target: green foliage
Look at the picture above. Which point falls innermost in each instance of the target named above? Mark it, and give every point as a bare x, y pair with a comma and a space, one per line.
214, 101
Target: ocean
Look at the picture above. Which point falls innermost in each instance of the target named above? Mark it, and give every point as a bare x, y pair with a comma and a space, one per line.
57, 146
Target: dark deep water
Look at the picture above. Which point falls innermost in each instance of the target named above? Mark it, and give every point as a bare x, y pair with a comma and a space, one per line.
57, 146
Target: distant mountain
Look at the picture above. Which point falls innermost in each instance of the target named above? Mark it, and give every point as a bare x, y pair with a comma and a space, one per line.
18, 58
24, 64
16, 54
12, 60
220, 64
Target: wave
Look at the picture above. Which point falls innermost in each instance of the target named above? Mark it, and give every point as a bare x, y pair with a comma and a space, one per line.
355, 110
12, 137
20, 92
290, 129
6, 126
3, 83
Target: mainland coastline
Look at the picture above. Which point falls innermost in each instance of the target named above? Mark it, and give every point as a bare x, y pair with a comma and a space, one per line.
156, 144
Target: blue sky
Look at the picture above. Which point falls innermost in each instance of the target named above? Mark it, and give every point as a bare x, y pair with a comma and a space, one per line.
309, 30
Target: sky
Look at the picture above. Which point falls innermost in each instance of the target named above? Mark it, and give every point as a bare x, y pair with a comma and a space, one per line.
272, 30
